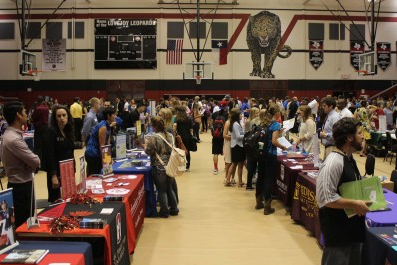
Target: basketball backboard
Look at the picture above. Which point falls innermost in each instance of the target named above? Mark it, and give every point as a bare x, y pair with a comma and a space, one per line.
367, 63
28, 63
194, 69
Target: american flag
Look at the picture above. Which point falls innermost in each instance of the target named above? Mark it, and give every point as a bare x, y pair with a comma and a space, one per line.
174, 51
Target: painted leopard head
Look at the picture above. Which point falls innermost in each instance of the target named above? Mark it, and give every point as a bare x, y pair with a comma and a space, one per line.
265, 28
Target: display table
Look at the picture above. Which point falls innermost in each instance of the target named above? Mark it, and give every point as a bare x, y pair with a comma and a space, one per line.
134, 203
124, 168
286, 176
380, 246
114, 248
304, 204
384, 218
79, 252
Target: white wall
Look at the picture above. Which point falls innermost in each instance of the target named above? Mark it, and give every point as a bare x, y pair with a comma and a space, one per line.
80, 65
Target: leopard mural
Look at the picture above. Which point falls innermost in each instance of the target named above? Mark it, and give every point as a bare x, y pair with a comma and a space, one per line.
263, 37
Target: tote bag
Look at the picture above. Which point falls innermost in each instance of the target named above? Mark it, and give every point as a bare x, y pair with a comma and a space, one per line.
176, 165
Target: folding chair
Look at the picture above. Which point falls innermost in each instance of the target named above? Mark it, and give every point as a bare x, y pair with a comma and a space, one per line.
370, 165
393, 178
390, 147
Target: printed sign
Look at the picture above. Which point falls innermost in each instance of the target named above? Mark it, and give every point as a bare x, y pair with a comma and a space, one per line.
316, 53
121, 146
356, 48
383, 53
54, 55
7, 230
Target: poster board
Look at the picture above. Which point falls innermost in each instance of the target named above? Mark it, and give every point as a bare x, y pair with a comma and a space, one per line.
107, 169
68, 188
7, 227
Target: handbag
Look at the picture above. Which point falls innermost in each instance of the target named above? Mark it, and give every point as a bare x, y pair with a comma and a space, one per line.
176, 165
179, 143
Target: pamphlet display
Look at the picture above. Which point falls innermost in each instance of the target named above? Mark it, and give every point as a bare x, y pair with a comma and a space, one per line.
131, 135
121, 146
68, 187
7, 230
369, 189
107, 170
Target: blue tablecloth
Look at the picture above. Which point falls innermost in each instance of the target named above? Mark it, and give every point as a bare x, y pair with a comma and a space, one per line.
60, 247
380, 245
150, 195
384, 218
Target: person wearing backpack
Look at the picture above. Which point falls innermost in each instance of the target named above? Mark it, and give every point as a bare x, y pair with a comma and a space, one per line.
267, 171
251, 163
156, 145
219, 119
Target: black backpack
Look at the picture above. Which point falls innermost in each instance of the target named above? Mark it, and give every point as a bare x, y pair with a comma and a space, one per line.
217, 127
251, 143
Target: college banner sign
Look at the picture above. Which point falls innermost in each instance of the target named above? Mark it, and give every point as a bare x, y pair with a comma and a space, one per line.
54, 55
356, 48
383, 54
316, 53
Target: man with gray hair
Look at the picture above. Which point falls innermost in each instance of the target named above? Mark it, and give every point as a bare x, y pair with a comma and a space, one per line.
90, 120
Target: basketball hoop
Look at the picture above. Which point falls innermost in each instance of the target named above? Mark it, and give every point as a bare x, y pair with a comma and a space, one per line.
36, 74
198, 79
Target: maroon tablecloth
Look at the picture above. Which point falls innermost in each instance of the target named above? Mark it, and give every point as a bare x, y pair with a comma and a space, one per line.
286, 177
304, 204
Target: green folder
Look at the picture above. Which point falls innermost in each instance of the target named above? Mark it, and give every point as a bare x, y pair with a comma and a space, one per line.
369, 189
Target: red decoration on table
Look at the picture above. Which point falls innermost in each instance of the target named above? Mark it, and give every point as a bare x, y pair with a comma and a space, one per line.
80, 213
62, 223
82, 198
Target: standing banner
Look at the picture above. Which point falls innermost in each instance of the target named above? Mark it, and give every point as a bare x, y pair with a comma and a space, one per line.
68, 183
316, 53
383, 54
121, 146
54, 55
356, 48
107, 169
83, 175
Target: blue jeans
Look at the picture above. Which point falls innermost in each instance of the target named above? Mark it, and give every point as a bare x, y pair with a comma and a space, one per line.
166, 195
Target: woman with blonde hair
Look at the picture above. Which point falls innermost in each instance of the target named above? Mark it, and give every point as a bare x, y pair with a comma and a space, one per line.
307, 128
253, 113
196, 121
166, 114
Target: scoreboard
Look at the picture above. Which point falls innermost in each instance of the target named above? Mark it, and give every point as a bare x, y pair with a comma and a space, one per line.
125, 43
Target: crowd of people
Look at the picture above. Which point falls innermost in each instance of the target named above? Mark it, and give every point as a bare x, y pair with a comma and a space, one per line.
342, 125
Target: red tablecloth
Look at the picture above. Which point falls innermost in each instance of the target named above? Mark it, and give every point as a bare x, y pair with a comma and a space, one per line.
134, 203
73, 259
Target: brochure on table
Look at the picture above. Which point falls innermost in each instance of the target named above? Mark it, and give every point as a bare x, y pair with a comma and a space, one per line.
68, 187
7, 237
369, 189
107, 170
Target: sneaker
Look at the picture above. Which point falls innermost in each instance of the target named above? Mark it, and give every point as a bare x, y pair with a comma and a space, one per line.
215, 171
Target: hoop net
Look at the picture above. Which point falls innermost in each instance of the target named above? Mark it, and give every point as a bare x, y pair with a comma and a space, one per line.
362, 72
36, 74
198, 79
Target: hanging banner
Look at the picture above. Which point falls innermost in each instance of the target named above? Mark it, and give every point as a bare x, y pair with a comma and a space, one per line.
356, 48
316, 53
54, 55
383, 54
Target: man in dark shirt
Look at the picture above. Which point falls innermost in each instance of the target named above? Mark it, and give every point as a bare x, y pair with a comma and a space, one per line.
40, 123
217, 140
133, 117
